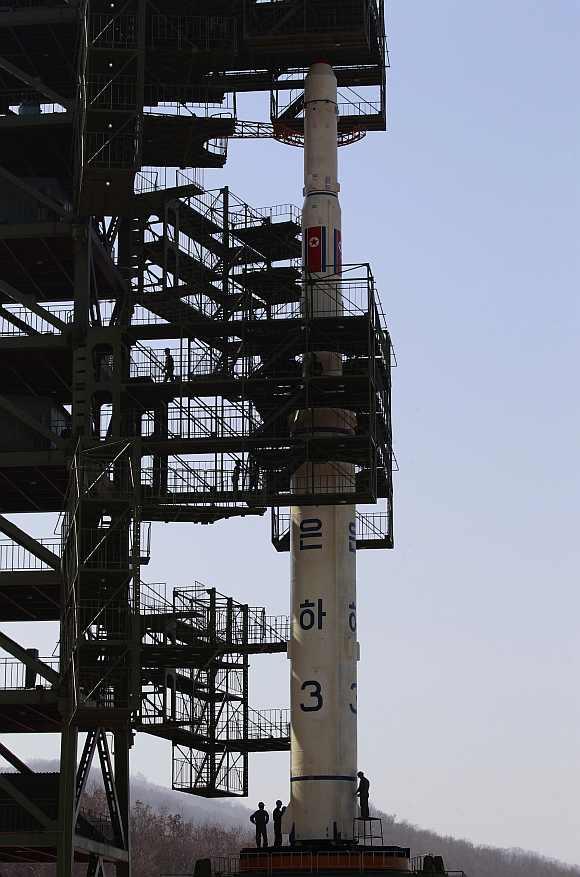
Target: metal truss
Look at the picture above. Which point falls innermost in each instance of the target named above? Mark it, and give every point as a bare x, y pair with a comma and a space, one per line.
111, 252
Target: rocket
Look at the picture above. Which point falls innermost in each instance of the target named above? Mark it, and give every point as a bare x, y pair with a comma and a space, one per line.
323, 648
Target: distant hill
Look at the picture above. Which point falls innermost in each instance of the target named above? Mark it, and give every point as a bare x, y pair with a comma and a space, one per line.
171, 830
476, 861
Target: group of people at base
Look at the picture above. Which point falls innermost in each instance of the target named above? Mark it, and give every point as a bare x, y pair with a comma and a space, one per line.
261, 817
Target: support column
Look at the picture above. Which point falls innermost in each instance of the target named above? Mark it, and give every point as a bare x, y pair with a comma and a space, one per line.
66, 801
123, 740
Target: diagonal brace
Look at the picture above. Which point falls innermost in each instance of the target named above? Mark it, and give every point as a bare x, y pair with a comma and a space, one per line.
35, 193
110, 788
85, 767
35, 82
26, 541
26, 803
29, 302
35, 664
31, 422
13, 759
16, 321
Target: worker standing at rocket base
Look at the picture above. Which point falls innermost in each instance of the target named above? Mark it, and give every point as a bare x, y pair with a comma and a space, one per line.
323, 648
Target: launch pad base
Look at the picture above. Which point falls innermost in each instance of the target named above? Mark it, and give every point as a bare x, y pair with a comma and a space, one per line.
354, 859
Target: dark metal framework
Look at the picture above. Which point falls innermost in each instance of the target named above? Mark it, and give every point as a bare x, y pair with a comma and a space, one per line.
109, 244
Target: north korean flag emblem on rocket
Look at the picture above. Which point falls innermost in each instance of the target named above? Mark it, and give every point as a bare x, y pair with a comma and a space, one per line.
316, 249
337, 251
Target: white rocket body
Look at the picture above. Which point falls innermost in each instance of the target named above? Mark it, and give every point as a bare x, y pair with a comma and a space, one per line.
323, 649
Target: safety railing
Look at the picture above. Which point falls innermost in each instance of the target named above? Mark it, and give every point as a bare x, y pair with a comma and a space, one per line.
351, 293
202, 480
114, 30
327, 861
204, 772
244, 216
154, 598
194, 33
349, 104
152, 179
29, 323
16, 558
16, 676
189, 101
271, 724
196, 422
223, 866
112, 547
24, 105
267, 629
374, 527
261, 725
109, 150
112, 93
199, 422
349, 16
104, 619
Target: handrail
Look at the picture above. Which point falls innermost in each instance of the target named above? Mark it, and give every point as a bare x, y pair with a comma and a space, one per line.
15, 557
16, 676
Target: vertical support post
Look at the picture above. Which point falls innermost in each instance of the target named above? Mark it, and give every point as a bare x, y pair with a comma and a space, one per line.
245, 693
67, 800
211, 680
226, 240
82, 279
123, 740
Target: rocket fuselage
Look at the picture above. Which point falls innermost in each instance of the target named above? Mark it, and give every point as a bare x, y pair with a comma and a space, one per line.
323, 649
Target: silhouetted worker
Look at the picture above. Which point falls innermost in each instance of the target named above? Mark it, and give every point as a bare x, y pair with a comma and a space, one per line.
260, 819
363, 794
30, 671
277, 817
169, 367
236, 476
254, 474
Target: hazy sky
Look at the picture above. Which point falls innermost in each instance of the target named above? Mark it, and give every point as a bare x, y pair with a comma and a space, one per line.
468, 209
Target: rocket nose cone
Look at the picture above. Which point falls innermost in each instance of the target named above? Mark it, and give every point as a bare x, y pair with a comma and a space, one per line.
320, 83
321, 68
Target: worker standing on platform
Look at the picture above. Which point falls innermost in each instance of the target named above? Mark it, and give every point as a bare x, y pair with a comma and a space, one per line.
236, 471
277, 815
169, 367
260, 819
254, 474
363, 795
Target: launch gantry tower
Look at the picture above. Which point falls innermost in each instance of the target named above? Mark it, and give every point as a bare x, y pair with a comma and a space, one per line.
111, 252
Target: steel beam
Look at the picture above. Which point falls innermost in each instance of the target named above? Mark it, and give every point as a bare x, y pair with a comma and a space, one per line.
35, 193
67, 801
29, 543
85, 767
25, 802
13, 759
31, 422
29, 302
34, 83
17, 651
15, 321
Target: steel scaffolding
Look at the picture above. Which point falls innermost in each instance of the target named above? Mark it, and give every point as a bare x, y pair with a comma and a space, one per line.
111, 254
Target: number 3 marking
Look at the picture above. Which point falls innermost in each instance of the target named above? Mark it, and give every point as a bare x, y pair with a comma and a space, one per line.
352, 708
315, 694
